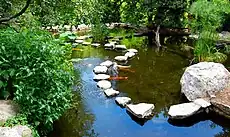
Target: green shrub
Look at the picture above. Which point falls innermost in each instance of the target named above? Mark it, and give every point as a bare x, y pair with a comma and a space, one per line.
34, 71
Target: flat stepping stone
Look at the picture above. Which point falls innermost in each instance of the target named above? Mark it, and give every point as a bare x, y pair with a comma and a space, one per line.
123, 101
82, 37
104, 84
96, 44
141, 110
108, 45
113, 43
101, 77
107, 63
79, 41
184, 110
121, 58
118, 37
132, 50
123, 47
86, 43
100, 69
130, 54
203, 103
111, 92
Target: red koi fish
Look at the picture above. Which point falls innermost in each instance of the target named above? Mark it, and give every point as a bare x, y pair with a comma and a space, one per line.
118, 78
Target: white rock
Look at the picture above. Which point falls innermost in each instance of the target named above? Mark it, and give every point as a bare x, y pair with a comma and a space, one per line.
120, 47
132, 50
108, 45
79, 41
113, 43
184, 110
107, 63
121, 58
104, 84
101, 77
7, 110
204, 80
130, 54
100, 69
86, 43
123, 101
111, 92
67, 27
141, 110
203, 103
16, 131
82, 37
95, 44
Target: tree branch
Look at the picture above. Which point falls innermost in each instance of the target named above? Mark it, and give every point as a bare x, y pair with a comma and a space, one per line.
18, 14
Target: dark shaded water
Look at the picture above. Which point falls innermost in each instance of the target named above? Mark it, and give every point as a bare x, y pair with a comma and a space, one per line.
156, 80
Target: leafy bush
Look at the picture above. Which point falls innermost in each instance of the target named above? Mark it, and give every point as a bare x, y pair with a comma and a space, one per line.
34, 72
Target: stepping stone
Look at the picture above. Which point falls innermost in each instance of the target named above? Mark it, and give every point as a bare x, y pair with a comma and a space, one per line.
48, 28
132, 50
203, 103
86, 43
115, 40
96, 44
100, 69
82, 37
108, 45
107, 63
141, 110
130, 54
111, 92
123, 101
104, 84
123, 47
101, 77
118, 37
121, 58
113, 43
184, 110
79, 41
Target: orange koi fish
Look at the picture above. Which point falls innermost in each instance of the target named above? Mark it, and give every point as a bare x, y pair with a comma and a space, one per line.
118, 78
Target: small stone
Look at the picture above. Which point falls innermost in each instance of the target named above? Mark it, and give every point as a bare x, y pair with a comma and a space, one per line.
141, 110
100, 69
184, 110
203, 103
79, 41
82, 37
123, 47
111, 92
108, 45
101, 77
104, 84
86, 43
130, 54
132, 50
123, 101
121, 58
95, 44
107, 63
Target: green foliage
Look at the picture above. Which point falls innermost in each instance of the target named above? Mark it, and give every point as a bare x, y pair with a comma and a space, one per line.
134, 41
35, 71
99, 32
208, 17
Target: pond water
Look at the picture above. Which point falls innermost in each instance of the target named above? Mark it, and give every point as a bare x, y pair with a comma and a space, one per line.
154, 78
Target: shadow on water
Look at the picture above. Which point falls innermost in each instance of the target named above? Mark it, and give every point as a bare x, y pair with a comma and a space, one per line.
156, 80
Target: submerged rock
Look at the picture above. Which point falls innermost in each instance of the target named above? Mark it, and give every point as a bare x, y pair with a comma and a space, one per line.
101, 77
121, 58
202, 102
204, 80
221, 103
130, 54
111, 92
123, 47
104, 84
107, 63
141, 110
123, 101
7, 110
16, 131
100, 69
184, 110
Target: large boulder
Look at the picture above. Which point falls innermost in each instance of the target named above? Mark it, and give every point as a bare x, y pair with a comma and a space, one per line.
16, 131
203, 80
7, 110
